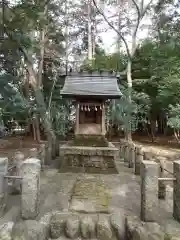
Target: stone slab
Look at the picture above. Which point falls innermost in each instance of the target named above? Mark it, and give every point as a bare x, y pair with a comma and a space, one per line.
90, 195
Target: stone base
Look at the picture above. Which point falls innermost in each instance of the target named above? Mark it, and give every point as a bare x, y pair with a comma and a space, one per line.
88, 159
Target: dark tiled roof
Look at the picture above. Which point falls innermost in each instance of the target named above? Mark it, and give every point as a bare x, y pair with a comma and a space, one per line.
94, 84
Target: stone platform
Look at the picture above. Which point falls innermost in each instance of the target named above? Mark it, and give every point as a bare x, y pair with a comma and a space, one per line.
89, 159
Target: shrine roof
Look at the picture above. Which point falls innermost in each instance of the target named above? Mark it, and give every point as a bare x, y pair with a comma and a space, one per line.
102, 84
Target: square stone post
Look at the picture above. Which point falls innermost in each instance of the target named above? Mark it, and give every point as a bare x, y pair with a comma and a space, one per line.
176, 191
3, 183
33, 153
139, 156
103, 126
131, 155
161, 184
122, 151
42, 153
30, 172
126, 151
121, 156
77, 118
149, 190
18, 161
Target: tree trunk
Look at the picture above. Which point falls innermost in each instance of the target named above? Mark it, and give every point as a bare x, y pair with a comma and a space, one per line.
38, 133
128, 133
153, 129
34, 130
47, 125
46, 122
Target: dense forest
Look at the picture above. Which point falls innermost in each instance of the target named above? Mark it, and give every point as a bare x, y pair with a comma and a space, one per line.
43, 39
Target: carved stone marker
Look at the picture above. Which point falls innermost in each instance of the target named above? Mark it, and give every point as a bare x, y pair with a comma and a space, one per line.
149, 190
30, 188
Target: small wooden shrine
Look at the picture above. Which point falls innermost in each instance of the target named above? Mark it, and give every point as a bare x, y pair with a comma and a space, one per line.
90, 90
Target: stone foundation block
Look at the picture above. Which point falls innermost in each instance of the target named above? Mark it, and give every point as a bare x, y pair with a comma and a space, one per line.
57, 224
73, 227
104, 231
88, 228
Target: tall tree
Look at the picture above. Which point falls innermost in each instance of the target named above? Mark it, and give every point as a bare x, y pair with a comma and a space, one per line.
28, 26
133, 13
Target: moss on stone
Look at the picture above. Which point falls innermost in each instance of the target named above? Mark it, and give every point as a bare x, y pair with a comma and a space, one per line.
90, 141
93, 190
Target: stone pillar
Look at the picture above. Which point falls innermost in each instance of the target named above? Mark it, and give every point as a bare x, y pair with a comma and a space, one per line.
121, 151
149, 190
103, 126
161, 184
30, 188
131, 155
42, 153
125, 153
3, 184
176, 191
33, 153
139, 156
18, 161
77, 118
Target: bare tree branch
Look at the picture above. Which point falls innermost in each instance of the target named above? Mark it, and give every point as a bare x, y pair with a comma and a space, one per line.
145, 9
110, 24
137, 8
140, 14
136, 28
142, 5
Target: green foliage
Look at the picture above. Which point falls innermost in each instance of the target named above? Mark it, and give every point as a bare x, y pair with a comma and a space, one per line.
174, 116
12, 102
155, 67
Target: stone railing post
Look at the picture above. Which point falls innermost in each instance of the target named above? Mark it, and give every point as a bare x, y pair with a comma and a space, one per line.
131, 155
18, 161
33, 153
139, 157
161, 184
126, 153
42, 153
149, 190
3, 184
30, 173
176, 192
123, 151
